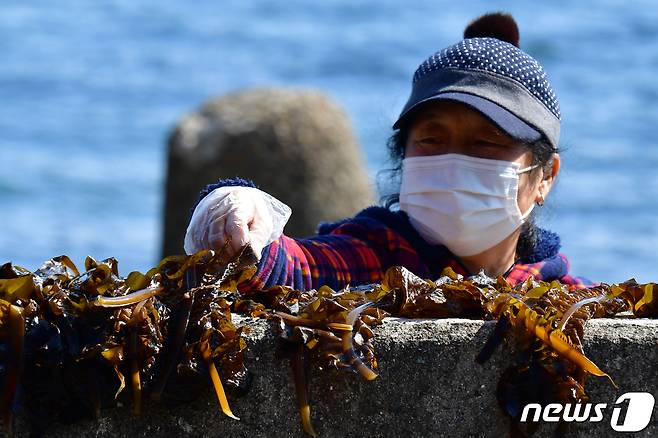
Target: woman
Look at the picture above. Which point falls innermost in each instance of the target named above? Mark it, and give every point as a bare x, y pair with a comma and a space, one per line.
477, 148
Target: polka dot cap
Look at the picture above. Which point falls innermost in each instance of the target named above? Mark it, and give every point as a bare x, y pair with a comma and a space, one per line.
494, 56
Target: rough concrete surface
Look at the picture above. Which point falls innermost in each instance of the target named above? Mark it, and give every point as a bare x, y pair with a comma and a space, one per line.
429, 385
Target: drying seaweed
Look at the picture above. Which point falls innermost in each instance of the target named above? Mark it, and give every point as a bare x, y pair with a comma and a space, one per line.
544, 323
333, 327
76, 342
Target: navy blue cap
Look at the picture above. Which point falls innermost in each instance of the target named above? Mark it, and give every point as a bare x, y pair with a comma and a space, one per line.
505, 120
496, 78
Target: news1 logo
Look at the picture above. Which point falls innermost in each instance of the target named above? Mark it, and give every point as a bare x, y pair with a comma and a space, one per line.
637, 413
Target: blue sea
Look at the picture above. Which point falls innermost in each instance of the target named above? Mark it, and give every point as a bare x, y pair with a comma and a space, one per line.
90, 90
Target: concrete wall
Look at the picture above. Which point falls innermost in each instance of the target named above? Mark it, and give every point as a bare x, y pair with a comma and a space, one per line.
429, 385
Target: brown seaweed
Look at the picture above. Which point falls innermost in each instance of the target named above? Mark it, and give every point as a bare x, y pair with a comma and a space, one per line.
450, 296
174, 342
91, 323
167, 333
15, 324
299, 365
545, 325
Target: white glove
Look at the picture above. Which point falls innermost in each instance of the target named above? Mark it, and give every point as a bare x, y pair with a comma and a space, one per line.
245, 214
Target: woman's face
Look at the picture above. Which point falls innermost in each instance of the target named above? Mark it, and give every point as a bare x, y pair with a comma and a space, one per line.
444, 127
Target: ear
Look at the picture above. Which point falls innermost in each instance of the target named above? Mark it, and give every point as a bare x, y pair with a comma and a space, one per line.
547, 181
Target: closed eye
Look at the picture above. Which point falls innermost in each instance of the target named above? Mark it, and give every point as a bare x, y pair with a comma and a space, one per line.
431, 145
489, 144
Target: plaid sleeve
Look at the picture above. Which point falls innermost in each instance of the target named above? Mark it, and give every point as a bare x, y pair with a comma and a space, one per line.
555, 268
577, 282
357, 252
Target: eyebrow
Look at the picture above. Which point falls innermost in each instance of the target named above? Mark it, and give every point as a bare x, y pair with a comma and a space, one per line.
430, 119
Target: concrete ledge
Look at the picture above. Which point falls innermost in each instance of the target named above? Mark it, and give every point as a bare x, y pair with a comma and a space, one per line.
429, 385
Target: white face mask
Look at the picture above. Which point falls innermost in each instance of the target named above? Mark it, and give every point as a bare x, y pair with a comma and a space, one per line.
467, 204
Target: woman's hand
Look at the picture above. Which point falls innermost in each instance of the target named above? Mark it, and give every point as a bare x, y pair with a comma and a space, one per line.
245, 215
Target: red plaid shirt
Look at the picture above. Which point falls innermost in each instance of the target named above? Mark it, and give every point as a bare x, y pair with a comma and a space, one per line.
359, 250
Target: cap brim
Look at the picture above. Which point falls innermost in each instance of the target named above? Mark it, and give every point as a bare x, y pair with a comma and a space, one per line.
505, 120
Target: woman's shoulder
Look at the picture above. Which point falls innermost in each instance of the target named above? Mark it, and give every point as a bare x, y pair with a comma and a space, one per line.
374, 215
383, 224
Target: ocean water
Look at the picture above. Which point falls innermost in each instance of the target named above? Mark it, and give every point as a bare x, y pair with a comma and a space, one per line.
89, 92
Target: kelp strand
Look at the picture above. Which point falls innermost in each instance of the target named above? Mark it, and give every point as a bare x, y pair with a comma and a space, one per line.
298, 364
574, 307
126, 300
135, 377
219, 389
136, 381
556, 340
348, 346
293, 321
174, 343
16, 332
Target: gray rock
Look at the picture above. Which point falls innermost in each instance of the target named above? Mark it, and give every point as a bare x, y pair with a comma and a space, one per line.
429, 385
297, 145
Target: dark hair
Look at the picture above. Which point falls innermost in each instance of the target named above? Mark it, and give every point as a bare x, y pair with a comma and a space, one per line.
542, 154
